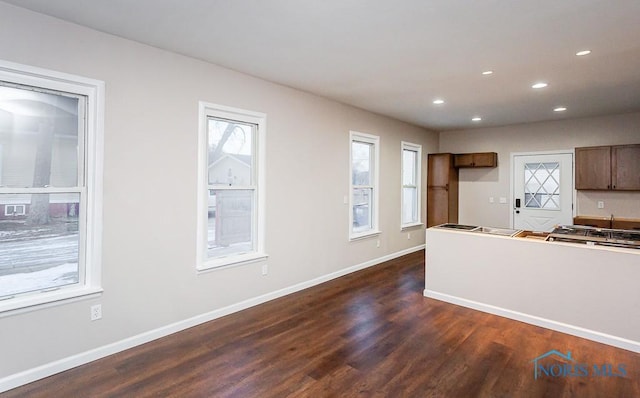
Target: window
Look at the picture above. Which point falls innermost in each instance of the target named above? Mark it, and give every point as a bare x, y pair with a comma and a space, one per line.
542, 185
14, 210
50, 186
411, 177
364, 185
231, 219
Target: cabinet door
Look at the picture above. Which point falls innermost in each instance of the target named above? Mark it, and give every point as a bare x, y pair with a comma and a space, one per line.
485, 159
625, 161
593, 167
480, 159
442, 190
463, 160
437, 206
438, 169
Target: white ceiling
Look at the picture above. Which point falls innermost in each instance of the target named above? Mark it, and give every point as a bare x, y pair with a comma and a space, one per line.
396, 57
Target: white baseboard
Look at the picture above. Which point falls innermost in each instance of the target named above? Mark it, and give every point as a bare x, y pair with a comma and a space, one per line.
31, 375
543, 322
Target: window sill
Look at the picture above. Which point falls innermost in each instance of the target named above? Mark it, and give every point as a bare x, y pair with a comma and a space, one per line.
411, 226
364, 235
19, 305
231, 261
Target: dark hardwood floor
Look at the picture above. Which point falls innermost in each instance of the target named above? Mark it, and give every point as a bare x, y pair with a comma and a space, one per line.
370, 333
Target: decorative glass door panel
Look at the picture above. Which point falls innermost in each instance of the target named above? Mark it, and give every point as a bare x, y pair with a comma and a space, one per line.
542, 185
542, 191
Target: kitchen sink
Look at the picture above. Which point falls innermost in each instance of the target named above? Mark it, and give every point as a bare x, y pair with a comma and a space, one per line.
458, 226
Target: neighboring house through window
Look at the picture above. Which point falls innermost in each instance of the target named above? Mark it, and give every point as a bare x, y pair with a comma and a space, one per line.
14, 210
363, 219
411, 189
230, 221
50, 186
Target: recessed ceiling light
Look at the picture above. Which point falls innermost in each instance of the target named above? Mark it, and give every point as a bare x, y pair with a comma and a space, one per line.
583, 52
559, 109
540, 85
476, 119
487, 72
438, 101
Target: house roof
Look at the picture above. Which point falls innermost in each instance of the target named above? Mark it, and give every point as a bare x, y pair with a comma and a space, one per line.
244, 160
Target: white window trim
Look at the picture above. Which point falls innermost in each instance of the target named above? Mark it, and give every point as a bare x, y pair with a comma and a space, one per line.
206, 110
416, 148
90, 245
375, 213
15, 212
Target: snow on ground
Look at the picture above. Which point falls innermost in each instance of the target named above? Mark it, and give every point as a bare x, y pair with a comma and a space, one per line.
60, 275
37, 253
33, 259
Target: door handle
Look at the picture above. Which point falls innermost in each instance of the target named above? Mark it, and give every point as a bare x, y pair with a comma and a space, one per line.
517, 203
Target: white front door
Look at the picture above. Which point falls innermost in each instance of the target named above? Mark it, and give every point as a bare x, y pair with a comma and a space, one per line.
542, 191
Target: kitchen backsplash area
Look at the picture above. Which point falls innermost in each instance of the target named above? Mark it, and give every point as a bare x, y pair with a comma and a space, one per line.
606, 203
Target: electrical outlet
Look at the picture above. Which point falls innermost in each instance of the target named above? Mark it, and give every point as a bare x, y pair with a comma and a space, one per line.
408, 235
96, 312
491, 199
265, 269
600, 204
378, 243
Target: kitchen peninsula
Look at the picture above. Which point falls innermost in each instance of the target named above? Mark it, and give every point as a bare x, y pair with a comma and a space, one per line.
581, 289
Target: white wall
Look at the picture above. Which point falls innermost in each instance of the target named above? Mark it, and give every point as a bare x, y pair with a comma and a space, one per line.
149, 246
554, 285
477, 185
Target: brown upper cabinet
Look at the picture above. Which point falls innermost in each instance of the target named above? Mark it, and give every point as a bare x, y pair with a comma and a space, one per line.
625, 167
480, 159
608, 168
593, 168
